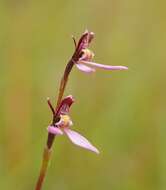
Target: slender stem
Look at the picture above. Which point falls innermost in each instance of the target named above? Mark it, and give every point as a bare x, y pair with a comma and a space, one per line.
51, 137
64, 81
61, 91
44, 166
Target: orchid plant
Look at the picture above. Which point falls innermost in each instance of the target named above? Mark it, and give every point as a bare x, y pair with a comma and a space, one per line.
61, 121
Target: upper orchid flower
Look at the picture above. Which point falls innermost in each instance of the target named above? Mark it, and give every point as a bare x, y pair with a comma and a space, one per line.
63, 126
84, 56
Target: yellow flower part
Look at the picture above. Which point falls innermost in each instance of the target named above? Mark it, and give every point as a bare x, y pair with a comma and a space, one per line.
65, 121
87, 54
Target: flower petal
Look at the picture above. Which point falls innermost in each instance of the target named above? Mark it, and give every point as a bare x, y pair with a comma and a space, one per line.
84, 68
79, 140
105, 67
54, 130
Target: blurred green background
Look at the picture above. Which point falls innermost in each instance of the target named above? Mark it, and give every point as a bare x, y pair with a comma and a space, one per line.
123, 113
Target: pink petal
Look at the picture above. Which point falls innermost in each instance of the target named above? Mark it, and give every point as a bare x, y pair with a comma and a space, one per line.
79, 140
54, 130
106, 67
84, 68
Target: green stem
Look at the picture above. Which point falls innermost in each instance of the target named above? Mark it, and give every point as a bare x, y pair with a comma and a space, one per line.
43, 170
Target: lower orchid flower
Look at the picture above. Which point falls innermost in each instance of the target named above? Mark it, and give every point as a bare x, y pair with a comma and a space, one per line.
63, 127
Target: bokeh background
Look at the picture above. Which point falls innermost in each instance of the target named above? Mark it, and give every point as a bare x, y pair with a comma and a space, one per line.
123, 113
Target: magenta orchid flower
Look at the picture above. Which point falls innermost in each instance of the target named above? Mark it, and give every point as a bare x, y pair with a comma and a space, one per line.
84, 61
63, 126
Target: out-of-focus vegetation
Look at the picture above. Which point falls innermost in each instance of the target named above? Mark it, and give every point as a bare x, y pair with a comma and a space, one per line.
123, 113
